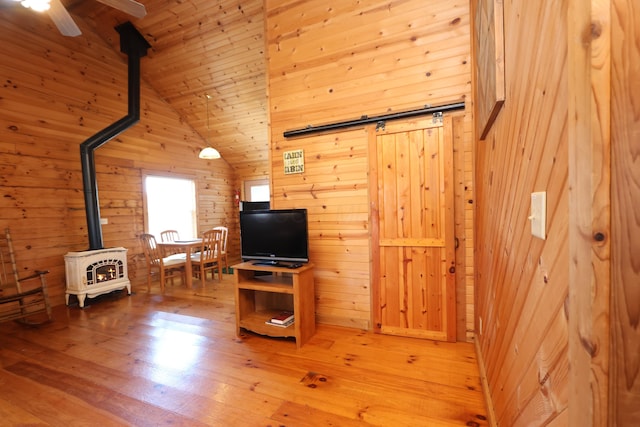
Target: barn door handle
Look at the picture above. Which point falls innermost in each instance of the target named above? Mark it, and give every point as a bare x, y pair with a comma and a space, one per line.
457, 244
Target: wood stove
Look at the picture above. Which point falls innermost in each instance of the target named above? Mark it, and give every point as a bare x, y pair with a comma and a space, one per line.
96, 272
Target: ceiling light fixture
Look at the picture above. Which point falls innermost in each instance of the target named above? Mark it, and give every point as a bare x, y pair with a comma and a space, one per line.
208, 152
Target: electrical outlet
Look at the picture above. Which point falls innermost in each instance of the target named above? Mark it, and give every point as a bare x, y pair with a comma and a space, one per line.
104, 221
539, 214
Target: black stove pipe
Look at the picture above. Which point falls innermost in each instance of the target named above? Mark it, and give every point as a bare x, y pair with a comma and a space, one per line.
135, 46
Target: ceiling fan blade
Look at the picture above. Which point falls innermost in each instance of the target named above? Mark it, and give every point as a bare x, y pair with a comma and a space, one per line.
130, 7
63, 20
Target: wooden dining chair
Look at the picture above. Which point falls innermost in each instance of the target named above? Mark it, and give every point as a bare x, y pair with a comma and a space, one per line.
169, 236
223, 246
23, 299
208, 259
168, 267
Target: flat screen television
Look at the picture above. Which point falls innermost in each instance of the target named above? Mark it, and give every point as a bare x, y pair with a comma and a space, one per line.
274, 236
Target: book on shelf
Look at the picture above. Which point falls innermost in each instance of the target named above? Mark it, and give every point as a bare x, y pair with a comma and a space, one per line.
282, 317
280, 325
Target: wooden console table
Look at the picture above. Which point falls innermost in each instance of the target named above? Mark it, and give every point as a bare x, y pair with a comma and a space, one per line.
261, 296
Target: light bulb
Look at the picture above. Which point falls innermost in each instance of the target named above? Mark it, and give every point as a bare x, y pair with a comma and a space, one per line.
37, 5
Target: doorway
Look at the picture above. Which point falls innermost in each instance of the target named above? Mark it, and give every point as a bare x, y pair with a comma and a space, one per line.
256, 190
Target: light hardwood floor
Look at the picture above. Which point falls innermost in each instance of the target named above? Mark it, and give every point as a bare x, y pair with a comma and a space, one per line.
174, 359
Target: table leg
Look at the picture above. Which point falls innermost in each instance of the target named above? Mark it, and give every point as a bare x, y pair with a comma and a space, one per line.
188, 270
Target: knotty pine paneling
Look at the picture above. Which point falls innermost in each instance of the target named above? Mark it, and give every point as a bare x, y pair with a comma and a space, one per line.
56, 93
522, 281
336, 61
215, 47
338, 221
625, 223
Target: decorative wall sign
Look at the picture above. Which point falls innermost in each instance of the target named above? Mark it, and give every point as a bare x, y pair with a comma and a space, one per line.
293, 161
488, 44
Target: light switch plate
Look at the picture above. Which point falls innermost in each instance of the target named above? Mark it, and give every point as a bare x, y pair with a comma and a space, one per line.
539, 214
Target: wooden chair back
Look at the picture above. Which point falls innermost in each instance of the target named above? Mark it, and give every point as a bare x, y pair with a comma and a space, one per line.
208, 259
24, 299
151, 251
223, 246
169, 236
211, 244
224, 234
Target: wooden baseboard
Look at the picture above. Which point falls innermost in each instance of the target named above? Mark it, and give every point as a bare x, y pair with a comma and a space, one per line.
491, 416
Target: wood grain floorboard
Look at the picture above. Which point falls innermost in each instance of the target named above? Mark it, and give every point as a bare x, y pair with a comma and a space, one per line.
156, 360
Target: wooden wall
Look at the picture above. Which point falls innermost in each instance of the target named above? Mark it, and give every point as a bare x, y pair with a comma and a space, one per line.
559, 338
625, 222
522, 281
334, 61
55, 93
605, 190
589, 112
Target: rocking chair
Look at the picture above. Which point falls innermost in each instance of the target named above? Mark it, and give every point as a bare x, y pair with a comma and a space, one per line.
24, 300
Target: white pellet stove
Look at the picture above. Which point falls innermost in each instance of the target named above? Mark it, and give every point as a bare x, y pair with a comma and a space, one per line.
96, 272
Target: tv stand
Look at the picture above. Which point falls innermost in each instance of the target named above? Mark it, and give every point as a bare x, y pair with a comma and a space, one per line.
260, 297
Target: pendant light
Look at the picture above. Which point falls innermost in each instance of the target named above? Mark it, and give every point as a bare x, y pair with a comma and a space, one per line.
208, 152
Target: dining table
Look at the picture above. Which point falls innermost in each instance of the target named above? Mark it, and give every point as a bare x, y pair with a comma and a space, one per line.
186, 247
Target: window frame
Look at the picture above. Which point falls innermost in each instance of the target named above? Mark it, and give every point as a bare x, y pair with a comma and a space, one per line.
158, 174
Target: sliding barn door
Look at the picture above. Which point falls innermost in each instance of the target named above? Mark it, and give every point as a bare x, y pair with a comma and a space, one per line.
413, 269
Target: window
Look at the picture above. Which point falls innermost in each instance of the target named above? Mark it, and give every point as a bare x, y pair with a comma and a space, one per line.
256, 191
170, 205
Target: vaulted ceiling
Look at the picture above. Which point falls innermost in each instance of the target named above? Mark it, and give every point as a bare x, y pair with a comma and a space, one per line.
200, 47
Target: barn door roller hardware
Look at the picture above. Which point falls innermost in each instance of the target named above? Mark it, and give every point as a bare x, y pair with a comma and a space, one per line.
375, 119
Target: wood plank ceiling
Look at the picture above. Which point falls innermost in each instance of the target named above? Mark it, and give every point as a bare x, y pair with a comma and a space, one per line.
200, 47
